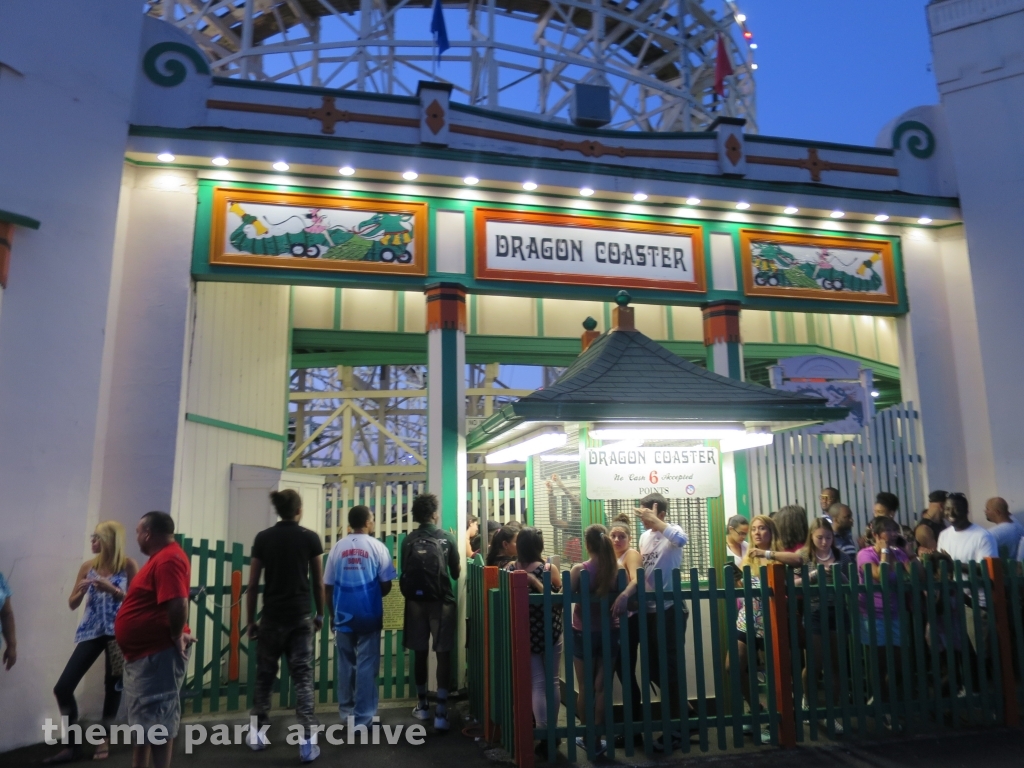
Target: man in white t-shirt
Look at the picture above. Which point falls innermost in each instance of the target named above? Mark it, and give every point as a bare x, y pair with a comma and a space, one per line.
357, 577
661, 548
1007, 531
967, 542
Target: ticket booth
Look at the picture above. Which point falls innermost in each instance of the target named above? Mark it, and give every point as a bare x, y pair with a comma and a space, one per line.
630, 418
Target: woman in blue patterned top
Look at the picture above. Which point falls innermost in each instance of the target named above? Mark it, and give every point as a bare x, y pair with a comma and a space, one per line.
103, 583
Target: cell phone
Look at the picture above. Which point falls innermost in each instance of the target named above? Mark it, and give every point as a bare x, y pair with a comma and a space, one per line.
555, 561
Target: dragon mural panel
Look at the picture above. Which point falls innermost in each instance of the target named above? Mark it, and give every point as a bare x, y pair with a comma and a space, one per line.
806, 266
318, 232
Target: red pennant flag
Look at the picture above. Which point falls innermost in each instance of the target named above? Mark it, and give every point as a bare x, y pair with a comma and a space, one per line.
723, 68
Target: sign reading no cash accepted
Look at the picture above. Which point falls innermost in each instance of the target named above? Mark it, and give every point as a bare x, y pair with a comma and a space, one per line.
676, 472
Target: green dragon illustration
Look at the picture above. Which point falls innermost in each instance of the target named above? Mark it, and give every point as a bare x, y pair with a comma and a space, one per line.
381, 238
777, 267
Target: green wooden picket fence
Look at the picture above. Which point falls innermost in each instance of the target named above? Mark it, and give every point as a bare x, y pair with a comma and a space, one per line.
931, 661
222, 672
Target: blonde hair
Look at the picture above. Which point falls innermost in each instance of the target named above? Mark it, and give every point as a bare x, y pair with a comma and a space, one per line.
755, 563
111, 556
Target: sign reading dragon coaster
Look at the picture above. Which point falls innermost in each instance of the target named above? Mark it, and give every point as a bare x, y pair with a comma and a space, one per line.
586, 250
319, 232
673, 471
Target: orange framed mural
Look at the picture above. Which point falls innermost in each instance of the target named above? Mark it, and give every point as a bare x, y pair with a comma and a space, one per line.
318, 232
588, 250
844, 269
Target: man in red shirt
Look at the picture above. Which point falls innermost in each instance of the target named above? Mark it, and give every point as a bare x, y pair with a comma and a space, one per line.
154, 637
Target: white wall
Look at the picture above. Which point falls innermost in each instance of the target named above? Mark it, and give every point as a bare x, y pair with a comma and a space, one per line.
237, 373
980, 74
143, 386
940, 367
64, 130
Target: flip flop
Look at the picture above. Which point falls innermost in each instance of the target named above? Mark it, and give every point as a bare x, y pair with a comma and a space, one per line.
102, 751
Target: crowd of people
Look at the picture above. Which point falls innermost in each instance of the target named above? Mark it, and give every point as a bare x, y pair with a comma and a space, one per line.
136, 618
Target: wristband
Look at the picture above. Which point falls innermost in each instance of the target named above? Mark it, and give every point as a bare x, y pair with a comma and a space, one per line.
769, 555
885, 551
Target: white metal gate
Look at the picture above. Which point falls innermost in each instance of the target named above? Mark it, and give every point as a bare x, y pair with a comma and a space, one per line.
885, 456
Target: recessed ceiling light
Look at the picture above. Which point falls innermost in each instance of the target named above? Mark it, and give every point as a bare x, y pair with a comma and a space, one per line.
219, 161
693, 201
875, 393
791, 210
281, 165
924, 220
410, 175
741, 17
586, 191
346, 170
837, 214
742, 206
471, 180
882, 217
639, 197
529, 186
165, 157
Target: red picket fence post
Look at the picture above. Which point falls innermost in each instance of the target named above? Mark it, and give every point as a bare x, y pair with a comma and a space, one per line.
1002, 616
522, 698
779, 612
236, 617
490, 582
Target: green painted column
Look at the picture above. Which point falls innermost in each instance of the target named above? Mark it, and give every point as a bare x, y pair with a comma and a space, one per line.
446, 401
724, 349
446, 430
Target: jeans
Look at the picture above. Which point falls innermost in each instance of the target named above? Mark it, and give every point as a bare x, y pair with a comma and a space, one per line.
634, 653
295, 641
358, 666
673, 647
82, 659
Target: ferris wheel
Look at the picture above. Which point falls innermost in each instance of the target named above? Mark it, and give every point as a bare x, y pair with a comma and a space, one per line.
657, 57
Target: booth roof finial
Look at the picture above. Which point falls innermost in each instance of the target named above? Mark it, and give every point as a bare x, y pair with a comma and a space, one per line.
622, 298
589, 324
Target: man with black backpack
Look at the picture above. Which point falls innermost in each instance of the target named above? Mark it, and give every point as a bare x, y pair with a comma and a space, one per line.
430, 560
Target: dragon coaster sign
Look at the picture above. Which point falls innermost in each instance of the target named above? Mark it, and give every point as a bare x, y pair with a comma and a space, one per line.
587, 250
319, 232
676, 472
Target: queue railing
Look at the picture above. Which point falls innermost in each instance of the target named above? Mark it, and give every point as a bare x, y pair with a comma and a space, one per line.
944, 648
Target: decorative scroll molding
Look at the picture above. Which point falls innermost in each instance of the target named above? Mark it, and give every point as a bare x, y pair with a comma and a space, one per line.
174, 72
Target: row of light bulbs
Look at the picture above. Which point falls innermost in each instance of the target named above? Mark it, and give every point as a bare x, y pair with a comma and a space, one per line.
530, 186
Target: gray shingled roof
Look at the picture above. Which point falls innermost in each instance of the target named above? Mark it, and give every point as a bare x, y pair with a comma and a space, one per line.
624, 375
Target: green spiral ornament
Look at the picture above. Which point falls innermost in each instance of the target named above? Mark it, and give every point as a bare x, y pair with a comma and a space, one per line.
921, 148
174, 71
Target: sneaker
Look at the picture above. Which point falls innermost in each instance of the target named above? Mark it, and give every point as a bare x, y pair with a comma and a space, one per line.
600, 749
887, 722
837, 725
676, 738
766, 736
441, 722
308, 752
421, 711
252, 738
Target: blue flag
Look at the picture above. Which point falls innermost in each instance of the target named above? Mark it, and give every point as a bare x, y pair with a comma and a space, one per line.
439, 30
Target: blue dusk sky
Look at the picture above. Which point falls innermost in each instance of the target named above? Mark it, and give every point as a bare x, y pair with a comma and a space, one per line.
838, 71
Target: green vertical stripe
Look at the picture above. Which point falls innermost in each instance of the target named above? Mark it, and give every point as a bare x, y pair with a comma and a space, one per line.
400, 320
450, 407
337, 309
670, 325
472, 313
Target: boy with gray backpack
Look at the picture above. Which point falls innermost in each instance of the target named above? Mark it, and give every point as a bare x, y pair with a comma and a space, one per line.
430, 560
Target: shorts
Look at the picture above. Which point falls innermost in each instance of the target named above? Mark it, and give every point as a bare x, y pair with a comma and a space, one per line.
152, 690
880, 639
597, 649
423, 620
